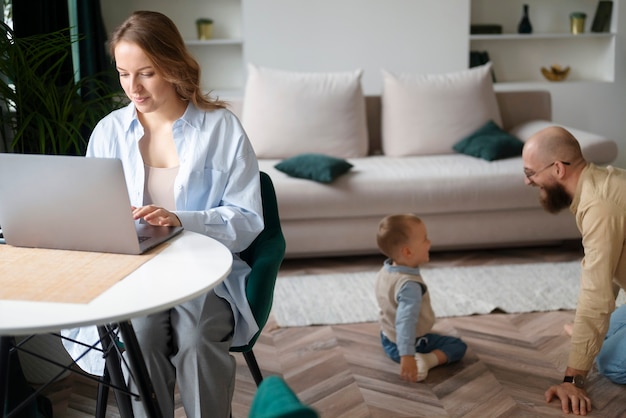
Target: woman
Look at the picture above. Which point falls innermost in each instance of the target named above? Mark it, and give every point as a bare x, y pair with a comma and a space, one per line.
188, 162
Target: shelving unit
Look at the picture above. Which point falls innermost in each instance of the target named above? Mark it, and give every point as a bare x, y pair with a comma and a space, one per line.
518, 58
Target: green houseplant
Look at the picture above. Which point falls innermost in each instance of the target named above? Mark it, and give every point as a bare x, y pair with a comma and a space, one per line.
43, 109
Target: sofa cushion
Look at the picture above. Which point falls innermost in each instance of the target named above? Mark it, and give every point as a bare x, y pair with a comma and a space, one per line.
289, 113
428, 113
317, 167
489, 142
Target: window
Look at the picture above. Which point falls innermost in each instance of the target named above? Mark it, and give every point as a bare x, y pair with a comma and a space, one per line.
7, 12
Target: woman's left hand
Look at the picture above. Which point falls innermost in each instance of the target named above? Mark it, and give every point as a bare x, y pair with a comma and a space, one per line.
155, 215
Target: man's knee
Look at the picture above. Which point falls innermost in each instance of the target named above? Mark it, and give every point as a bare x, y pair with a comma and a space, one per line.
613, 368
614, 374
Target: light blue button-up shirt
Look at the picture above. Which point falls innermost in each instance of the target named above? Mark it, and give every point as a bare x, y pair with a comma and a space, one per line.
217, 193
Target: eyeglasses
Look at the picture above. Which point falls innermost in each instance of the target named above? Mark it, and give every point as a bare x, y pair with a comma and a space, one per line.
529, 173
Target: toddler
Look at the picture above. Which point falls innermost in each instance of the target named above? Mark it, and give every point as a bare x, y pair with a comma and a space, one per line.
406, 316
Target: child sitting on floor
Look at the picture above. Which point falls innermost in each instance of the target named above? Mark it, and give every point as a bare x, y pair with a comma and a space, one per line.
406, 316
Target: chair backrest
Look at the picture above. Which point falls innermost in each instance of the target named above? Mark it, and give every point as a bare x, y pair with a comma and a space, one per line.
264, 256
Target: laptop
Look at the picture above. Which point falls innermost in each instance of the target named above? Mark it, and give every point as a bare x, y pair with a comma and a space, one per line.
71, 203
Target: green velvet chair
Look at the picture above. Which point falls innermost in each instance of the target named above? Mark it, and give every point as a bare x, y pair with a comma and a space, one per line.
264, 256
275, 399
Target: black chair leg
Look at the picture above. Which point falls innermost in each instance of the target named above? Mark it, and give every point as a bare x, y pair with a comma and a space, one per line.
113, 374
253, 366
103, 395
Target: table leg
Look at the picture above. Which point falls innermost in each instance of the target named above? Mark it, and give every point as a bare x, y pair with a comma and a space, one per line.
140, 371
5, 346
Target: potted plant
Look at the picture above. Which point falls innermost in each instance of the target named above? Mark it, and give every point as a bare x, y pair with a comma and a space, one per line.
43, 109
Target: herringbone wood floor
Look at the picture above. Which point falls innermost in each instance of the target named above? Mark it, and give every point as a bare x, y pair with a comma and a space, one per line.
342, 372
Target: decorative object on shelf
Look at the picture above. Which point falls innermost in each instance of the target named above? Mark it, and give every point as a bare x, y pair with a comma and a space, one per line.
485, 29
524, 25
555, 72
478, 58
577, 22
602, 19
205, 28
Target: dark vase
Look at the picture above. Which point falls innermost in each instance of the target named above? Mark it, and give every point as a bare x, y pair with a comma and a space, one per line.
524, 24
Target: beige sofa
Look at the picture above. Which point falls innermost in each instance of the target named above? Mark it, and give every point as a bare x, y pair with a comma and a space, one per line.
466, 202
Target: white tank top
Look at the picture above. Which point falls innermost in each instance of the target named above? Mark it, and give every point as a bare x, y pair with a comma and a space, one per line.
159, 187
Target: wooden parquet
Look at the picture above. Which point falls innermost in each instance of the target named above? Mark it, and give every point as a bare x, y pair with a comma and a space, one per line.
510, 362
342, 371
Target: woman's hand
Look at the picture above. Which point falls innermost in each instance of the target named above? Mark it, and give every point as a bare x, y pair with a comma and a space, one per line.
155, 215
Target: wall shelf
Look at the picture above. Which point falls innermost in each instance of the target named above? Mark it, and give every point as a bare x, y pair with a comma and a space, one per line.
539, 36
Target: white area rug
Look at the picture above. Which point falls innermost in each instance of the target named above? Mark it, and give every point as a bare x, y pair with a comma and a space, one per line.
455, 291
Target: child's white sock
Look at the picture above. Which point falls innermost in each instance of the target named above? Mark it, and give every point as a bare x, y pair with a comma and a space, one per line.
425, 362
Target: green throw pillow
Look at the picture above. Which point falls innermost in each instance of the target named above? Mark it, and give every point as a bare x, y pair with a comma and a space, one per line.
318, 167
490, 142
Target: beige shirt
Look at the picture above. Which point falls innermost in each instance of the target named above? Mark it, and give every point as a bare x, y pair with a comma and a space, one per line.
599, 206
159, 187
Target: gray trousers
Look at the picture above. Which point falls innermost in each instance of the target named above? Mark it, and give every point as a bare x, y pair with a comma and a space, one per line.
189, 343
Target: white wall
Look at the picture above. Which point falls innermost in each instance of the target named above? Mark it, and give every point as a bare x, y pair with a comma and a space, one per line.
340, 35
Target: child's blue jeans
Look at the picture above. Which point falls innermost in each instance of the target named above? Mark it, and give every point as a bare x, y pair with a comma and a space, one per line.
452, 347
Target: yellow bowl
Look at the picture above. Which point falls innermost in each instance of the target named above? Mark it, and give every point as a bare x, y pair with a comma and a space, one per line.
555, 73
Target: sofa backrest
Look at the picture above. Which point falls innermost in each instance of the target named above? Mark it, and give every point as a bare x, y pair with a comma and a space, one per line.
516, 107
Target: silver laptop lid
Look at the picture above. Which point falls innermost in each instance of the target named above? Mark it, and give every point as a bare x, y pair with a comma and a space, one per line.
65, 202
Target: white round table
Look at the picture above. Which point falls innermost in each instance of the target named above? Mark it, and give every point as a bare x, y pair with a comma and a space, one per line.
190, 265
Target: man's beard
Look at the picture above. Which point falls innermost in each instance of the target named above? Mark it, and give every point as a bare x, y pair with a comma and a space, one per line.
555, 198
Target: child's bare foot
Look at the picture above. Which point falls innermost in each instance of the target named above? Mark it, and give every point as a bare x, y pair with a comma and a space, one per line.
568, 328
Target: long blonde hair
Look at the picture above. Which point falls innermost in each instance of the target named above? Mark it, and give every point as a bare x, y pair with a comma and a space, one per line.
160, 39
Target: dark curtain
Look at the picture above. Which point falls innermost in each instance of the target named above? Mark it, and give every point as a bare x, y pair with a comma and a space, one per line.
35, 17
32, 17
94, 58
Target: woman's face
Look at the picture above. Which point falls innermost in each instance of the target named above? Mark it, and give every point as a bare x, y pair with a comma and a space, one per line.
140, 80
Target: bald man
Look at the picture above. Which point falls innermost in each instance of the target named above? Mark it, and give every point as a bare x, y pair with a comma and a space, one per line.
554, 163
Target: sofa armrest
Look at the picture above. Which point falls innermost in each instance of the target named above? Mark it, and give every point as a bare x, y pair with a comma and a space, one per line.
596, 148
